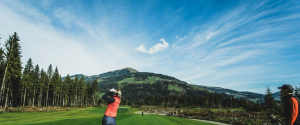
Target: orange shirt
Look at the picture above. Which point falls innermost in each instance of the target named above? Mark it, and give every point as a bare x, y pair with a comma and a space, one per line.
294, 110
112, 108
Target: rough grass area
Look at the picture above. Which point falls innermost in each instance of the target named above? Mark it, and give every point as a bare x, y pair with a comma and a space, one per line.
176, 88
91, 116
131, 80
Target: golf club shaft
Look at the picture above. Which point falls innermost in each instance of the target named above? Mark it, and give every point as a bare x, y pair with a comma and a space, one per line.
127, 100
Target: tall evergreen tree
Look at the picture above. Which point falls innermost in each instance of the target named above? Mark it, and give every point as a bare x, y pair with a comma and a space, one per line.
48, 81
59, 91
55, 85
26, 79
67, 91
270, 102
88, 93
297, 92
2, 69
12, 72
41, 86
94, 90
81, 89
76, 88
36, 82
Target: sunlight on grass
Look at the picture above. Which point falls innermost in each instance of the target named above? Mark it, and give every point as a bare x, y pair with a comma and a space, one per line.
90, 115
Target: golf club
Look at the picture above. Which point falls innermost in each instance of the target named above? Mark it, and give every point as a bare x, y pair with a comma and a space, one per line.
127, 100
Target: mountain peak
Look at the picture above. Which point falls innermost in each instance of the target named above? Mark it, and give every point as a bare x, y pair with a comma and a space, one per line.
131, 69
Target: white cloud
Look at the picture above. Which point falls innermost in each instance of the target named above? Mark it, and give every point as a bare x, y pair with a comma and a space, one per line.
174, 46
210, 35
65, 17
156, 48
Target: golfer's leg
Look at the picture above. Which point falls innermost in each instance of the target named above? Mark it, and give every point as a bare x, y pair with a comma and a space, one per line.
114, 122
105, 120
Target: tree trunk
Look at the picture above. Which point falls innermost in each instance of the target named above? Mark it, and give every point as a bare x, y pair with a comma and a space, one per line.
47, 98
53, 97
40, 97
2, 96
24, 97
21, 98
7, 91
33, 98
2, 86
63, 101
81, 101
11, 98
58, 100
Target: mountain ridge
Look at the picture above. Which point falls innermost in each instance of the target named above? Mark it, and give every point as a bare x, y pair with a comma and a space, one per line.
252, 96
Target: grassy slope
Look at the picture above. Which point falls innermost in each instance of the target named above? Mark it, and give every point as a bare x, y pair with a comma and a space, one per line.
89, 116
172, 87
131, 80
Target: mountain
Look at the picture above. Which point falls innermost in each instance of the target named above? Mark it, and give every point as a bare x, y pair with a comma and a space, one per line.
119, 79
104, 75
255, 97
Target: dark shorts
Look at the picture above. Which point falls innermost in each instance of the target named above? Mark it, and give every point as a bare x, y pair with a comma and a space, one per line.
109, 120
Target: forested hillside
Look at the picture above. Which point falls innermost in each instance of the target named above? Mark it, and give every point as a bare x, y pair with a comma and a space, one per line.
143, 88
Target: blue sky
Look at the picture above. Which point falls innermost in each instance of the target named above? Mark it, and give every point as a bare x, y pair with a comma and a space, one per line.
242, 45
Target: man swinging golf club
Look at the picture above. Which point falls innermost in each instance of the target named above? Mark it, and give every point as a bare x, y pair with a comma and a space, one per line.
109, 117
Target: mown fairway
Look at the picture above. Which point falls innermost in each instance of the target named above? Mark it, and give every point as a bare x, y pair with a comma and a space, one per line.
91, 116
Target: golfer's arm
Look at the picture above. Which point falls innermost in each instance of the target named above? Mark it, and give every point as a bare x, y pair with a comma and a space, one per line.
108, 99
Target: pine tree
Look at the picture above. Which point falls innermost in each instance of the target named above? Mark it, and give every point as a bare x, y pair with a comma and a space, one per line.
94, 90
48, 81
76, 88
297, 92
67, 91
270, 102
2, 68
59, 91
72, 92
26, 79
41, 86
55, 85
36, 82
87, 93
12, 72
81, 89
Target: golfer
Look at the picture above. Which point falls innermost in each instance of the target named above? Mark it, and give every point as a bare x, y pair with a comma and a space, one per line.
112, 107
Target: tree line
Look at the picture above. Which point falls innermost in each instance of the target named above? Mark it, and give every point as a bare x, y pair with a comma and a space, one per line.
34, 86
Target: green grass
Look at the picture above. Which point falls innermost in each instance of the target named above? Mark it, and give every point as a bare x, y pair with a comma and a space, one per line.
176, 88
131, 80
90, 116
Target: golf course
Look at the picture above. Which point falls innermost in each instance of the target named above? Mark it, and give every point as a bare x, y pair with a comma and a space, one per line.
91, 116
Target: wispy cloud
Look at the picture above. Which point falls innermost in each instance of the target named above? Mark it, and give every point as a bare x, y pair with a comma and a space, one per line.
238, 47
65, 17
154, 49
